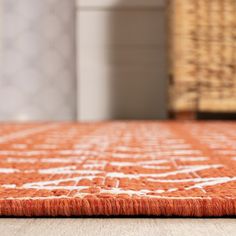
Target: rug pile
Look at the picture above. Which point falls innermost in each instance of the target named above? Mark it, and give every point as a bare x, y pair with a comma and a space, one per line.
118, 168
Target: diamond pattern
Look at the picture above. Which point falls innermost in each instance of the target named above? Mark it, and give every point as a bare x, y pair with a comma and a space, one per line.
38, 80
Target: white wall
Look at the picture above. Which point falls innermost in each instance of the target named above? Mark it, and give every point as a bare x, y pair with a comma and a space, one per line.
120, 4
121, 60
1, 39
38, 76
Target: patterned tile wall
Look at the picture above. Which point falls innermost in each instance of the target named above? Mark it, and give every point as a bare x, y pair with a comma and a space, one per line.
38, 79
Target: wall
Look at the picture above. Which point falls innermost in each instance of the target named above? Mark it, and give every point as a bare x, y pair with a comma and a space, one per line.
38, 76
1, 46
121, 59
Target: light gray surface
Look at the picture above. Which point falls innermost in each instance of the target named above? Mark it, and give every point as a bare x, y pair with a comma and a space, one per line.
117, 227
122, 71
120, 3
37, 80
122, 64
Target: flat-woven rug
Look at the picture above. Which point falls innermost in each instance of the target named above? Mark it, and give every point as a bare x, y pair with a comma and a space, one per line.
118, 168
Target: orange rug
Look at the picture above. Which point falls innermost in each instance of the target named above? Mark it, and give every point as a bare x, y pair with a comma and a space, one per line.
119, 168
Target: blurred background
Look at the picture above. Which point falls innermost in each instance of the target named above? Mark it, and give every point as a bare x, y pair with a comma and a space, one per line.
83, 60
92, 60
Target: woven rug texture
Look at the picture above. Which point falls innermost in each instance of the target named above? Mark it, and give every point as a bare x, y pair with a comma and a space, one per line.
118, 168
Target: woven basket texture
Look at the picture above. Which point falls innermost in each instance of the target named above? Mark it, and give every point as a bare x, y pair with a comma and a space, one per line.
203, 58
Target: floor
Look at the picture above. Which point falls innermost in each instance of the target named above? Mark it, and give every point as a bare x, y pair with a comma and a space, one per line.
117, 227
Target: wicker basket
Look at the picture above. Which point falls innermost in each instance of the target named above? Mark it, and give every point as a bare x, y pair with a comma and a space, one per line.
203, 55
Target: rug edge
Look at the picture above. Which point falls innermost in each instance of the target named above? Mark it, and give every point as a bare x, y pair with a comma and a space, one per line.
205, 207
